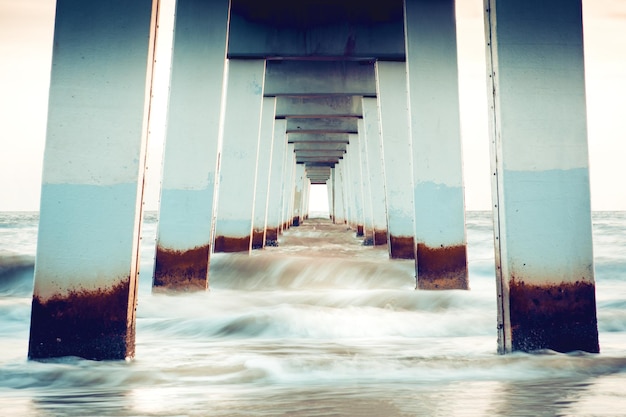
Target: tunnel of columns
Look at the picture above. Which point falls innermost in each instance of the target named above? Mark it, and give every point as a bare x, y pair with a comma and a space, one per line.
269, 97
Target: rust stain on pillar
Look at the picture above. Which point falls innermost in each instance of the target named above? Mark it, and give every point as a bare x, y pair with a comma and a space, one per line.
91, 324
443, 268
380, 237
182, 270
402, 247
232, 244
359, 230
561, 317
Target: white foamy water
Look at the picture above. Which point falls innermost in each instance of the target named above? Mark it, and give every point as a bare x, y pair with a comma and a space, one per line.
319, 326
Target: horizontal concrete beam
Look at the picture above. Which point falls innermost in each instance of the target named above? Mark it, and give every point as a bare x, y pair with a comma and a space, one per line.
303, 159
342, 29
318, 138
318, 107
330, 146
319, 78
319, 152
315, 164
322, 125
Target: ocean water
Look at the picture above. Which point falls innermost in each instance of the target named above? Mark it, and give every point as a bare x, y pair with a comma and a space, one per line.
319, 326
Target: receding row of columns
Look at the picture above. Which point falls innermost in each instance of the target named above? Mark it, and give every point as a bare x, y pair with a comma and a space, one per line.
231, 181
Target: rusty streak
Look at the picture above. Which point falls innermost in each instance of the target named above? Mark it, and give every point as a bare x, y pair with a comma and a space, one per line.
443, 268
232, 244
181, 270
561, 317
91, 324
359, 230
402, 247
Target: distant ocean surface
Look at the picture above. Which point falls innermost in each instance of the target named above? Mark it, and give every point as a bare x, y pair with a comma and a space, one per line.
318, 326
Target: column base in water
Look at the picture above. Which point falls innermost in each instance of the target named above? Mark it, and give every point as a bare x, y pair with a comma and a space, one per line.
402, 247
296, 221
257, 239
380, 237
443, 268
558, 317
179, 270
368, 239
88, 324
232, 244
271, 236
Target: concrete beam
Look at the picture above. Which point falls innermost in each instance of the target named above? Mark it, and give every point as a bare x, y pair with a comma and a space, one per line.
341, 29
326, 138
322, 125
540, 163
319, 78
318, 107
312, 146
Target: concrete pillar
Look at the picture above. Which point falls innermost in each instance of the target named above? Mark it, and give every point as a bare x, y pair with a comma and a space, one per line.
368, 221
353, 157
348, 191
340, 195
277, 179
436, 140
190, 158
85, 286
304, 202
330, 192
240, 140
391, 82
288, 186
299, 181
375, 169
542, 215
264, 163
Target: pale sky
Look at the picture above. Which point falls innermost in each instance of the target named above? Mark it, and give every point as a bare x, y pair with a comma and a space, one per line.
26, 28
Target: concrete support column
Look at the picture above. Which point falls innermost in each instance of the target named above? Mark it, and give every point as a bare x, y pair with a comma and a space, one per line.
277, 179
353, 155
340, 195
288, 186
375, 169
298, 194
240, 141
430, 29
368, 221
85, 287
330, 191
391, 85
348, 191
542, 215
190, 158
266, 141
307, 195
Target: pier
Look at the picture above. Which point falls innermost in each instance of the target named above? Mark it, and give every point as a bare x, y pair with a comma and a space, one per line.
269, 97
